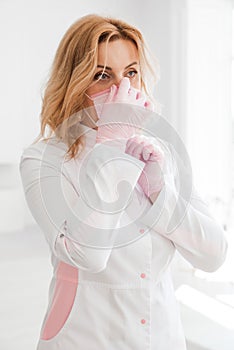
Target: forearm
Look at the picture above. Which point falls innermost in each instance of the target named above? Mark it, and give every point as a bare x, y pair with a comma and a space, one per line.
190, 226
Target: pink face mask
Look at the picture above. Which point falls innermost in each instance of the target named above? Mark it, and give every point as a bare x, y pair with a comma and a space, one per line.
98, 100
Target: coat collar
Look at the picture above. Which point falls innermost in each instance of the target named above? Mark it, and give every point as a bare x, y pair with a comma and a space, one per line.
89, 134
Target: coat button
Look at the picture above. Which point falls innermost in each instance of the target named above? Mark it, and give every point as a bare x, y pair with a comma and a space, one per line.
143, 275
143, 321
142, 230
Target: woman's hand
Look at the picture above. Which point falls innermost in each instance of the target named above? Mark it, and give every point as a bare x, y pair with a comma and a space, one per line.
124, 95
127, 94
151, 179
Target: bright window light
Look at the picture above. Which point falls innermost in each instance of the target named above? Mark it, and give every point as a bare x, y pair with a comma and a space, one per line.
209, 307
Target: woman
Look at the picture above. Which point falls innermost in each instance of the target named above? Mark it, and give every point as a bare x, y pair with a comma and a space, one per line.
112, 287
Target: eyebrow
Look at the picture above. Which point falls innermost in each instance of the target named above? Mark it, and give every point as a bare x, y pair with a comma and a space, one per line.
109, 68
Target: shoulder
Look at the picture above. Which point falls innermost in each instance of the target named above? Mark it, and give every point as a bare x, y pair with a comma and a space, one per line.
44, 150
49, 153
46, 160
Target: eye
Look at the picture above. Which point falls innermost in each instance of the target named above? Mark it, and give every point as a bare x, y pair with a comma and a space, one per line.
132, 73
101, 76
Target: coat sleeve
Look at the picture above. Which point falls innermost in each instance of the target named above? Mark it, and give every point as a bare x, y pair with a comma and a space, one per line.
188, 223
80, 227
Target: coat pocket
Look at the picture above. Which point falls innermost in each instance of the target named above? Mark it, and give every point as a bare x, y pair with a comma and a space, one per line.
62, 302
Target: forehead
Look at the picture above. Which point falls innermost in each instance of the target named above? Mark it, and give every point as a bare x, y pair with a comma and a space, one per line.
117, 53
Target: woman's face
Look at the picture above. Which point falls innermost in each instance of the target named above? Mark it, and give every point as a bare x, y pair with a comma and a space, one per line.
120, 59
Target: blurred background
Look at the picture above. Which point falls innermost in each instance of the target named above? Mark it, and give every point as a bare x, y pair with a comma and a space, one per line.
193, 41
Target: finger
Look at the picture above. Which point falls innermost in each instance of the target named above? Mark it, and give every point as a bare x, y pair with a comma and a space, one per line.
132, 95
141, 102
131, 144
137, 151
130, 147
132, 139
139, 95
146, 152
149, 105
124, 87
156, 157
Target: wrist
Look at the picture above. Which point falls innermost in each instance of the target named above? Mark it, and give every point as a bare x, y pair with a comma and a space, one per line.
153, 196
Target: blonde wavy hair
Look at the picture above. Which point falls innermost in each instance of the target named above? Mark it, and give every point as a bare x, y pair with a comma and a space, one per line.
73, 71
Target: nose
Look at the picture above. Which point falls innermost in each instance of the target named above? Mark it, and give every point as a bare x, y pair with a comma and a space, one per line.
119, 79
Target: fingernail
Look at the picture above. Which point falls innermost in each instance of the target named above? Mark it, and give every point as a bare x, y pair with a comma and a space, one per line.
147, 103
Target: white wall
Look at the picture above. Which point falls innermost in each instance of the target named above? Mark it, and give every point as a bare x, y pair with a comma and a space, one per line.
165, 25
209, 121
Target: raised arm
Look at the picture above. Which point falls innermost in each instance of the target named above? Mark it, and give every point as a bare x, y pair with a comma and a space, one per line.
177, 212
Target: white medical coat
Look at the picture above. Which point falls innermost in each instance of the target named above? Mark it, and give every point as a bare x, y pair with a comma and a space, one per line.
124, 297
